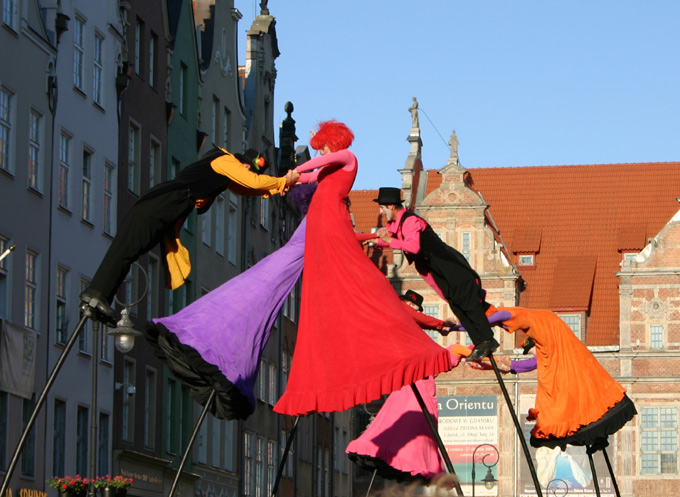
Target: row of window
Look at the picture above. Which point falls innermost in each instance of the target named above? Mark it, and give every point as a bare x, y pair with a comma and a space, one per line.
213, 225
59, 425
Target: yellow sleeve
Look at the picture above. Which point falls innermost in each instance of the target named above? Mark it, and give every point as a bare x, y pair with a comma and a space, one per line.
244, 181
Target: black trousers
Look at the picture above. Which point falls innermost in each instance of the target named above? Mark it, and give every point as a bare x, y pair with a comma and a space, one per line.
462, 289
141, 229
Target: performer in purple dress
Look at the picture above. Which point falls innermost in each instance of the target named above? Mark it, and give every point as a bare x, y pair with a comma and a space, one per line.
216, 342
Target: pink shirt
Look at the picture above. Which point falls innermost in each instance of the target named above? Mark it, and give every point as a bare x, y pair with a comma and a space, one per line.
409, 242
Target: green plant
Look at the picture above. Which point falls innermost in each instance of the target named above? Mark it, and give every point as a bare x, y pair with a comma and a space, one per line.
119, 482
76, 484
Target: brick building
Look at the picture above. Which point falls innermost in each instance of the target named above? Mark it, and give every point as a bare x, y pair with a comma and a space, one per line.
597, 245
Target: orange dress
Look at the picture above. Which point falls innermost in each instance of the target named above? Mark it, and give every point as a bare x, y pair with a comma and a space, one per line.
575, 393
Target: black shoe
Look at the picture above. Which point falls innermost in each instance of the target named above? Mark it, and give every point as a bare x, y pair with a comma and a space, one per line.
97, 308
483, 349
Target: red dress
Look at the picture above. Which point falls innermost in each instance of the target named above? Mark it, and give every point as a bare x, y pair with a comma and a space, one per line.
355, 340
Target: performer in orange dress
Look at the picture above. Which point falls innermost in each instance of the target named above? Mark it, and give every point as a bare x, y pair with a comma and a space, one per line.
577, 401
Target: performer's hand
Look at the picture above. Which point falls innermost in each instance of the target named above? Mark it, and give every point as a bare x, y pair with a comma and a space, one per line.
292, 177
384, 235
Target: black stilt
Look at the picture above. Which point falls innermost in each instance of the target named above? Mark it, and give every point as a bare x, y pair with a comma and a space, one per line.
520, 434
611, 472
210, 400
289, 442
437, 438
41, 399
592, 470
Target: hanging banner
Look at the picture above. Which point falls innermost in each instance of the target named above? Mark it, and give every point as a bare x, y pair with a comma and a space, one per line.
468, 425
17, 359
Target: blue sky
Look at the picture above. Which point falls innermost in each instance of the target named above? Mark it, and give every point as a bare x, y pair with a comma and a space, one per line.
523, 82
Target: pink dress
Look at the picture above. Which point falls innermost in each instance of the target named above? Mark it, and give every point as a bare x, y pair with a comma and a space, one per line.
399, 443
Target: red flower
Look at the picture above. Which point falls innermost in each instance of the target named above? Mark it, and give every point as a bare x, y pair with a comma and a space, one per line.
259, 162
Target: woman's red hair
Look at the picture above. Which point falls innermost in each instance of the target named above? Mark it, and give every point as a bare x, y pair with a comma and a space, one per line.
334, 134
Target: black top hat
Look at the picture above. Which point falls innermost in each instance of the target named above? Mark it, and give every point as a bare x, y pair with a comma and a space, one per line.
414, 298
389, 196
527, 345
254, 159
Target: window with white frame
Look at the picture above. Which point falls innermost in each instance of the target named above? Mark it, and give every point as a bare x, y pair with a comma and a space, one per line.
271, 465
155, 167
206, 227
59, 437
526, 260
6, 119
264, 213
34, 151
659, 445
108, 207
82, 443
86, 190
656, 332
466, 241
150, 408
28, 452
574, 322
630, 256
262, 381
78, 52
9, 13
62, 315
98, 70
31, 290
272, 390
232, 228
134, 158
432, 310
259, 467
219, 224
4, 285
153, 44
64, 170
249, 448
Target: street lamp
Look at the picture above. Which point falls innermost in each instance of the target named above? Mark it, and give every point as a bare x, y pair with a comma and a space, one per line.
489, 480
556, 488
124, 333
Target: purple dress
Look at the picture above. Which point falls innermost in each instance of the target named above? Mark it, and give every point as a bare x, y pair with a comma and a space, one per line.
216, 342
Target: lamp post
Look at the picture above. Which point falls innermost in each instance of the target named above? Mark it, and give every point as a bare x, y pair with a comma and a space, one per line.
556, 488
489, 480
